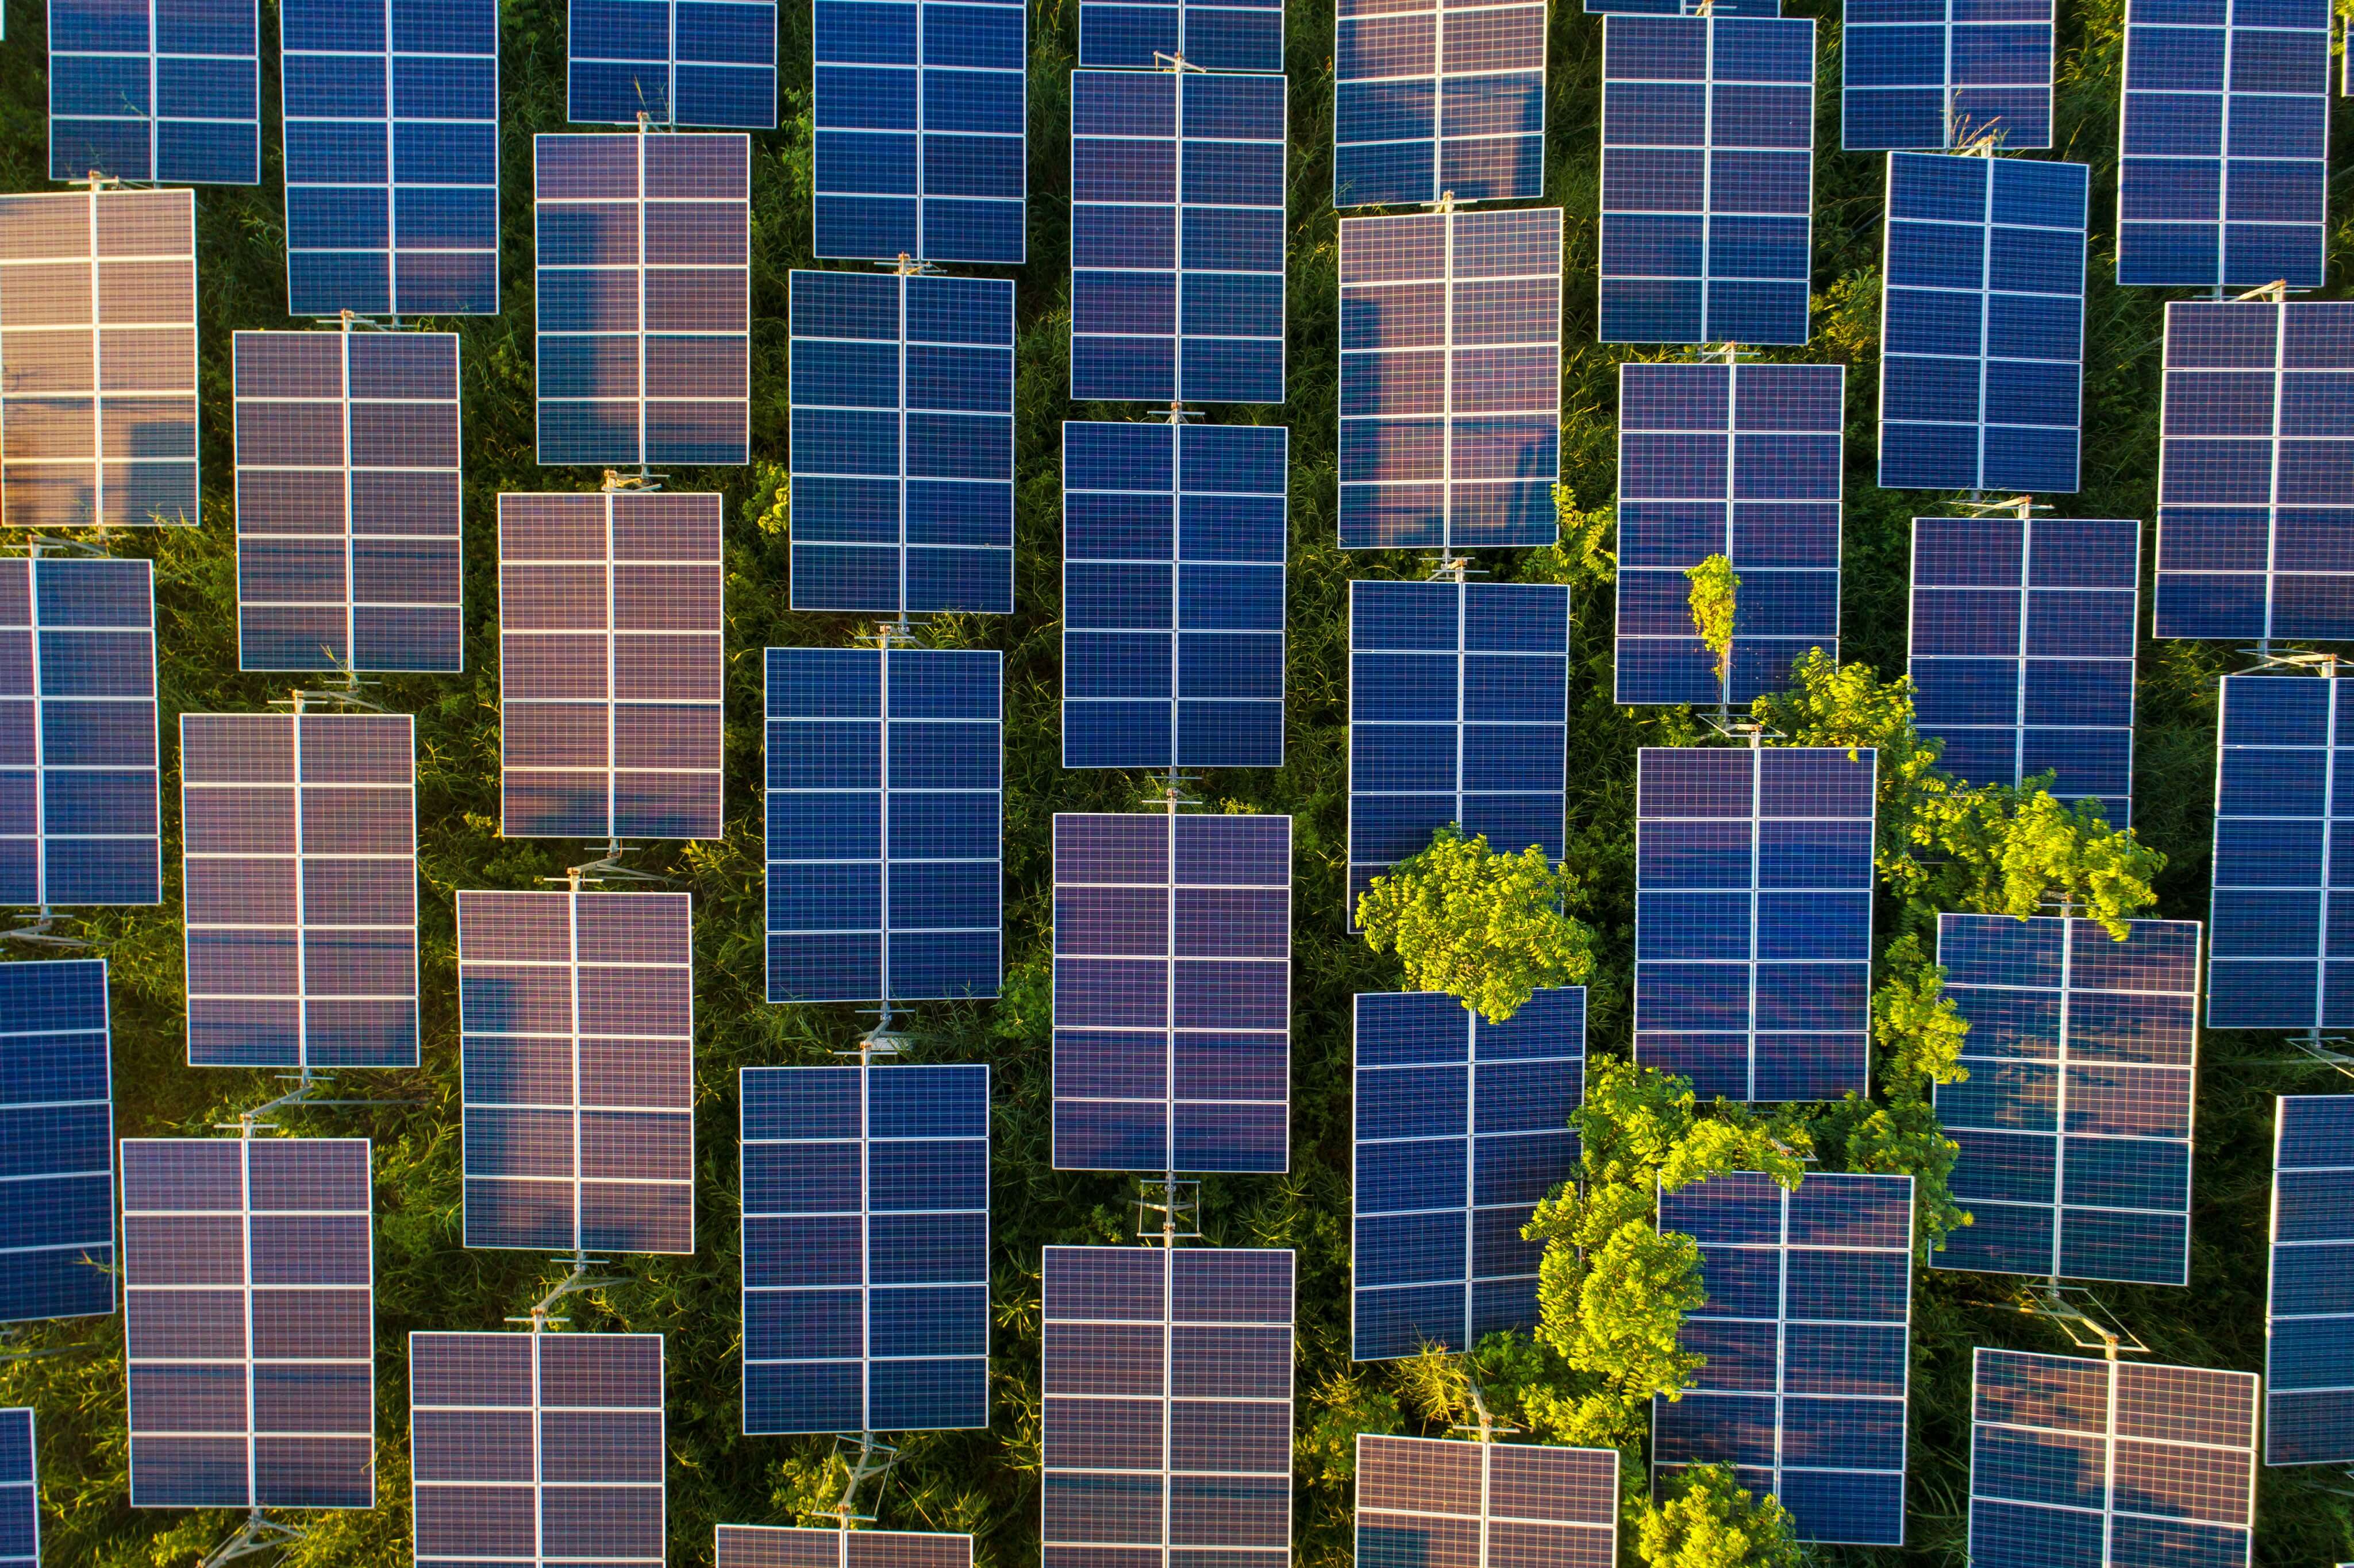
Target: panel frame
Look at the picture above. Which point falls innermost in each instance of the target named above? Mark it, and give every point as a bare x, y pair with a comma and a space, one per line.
788, 1546
1098, 50
1951, 31
20, 1500
1387, 1466
1434, 25
158, 62
101, 1300
577, 113
2326, 1182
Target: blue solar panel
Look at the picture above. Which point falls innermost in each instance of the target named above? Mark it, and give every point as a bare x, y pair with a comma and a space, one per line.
392, 156
1682, 7
902, 395
169, 91
1173, 993
57, 1108
1462, 1127
1708, 175
1982, 324
2221, 173
1173, 544
2022, 651
1177, 236
865, 1249
1431, 99
1451, 380
645, 298
20, 1492
920, 113
677, 62
2308, 1351
1740, 460
1224, 35
1424, 1501
2255, 473
783, 1546
1929, 74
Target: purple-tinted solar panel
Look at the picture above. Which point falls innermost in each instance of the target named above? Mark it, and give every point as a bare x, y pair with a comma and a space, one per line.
781, 1546
1424, 1500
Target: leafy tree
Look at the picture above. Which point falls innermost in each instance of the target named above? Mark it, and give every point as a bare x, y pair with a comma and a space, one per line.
1713, 587
1915, 1023
1709, 1520
1485, 928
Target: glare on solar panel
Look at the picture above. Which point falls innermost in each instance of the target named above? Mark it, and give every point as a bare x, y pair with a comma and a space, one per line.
1422, 1500
780, 1546
20, 1491
1223, 35
1432, 99
2308, 1353
56, 1110
1451, 380
1945, 74
169, 92
676, 62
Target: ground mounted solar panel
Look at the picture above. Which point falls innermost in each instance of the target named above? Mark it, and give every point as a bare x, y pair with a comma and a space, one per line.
1174, 539
1708, 176
2309, 1353
249, 1304
168, 92
783, 1546
56, 1159
2109, 1462
1422, 1500
1224, 35
20, 1491
1167, 1405
675, 62
865, 1249
98, 359
1945, 74
1462, 1127
1432, 99
392, 157
902, 443
1451, 380
645, 298
1682, 7
1737, 460
885, 773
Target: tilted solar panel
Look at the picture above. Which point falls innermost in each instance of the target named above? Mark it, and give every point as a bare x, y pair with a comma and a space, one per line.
902, 395
1982, 324
1174, 539
249, 1305
610, 665
677, 62
1173, 993
1451, 380
392, 156
1944, 73
57, 1142
1462, 1127
1224, 35
780, 1546
1806, 1333
2308, 1353
885, 824
1682, 7
1740, 460
20, 1491
169, 92
1167, 1405
1422, 1500
1432, 99
865, 1249
645, 298
1708, 176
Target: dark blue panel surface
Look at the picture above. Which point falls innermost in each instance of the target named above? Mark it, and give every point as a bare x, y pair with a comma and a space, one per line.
57, 1101
1930, 74
676, 62
1218, 35
20, 1491
169, 91
2308, 1351
1431, 99
1682, 7
1420, 1499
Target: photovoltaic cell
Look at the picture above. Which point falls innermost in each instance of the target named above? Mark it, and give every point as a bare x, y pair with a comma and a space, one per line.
1167, 1407
169, 91
902, 443
1682, 9
1226, 35
1462, 1127
1173, 546
780, 1546
1173, 993
1422, 1500
20, 1492
677, 62
1431, 99
57, 1143
2309, 1353
249, 1305
1932, 74
1740, 460
1805, 1333
865, 1249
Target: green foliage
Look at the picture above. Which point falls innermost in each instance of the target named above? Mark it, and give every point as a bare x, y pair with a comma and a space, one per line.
1914, 1025
1714, 588
1485, 928
1709, 1520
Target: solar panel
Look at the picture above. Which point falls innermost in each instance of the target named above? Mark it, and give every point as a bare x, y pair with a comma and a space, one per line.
1451, 380
2221, 171
1462, 1127
902, 443
1708, 174
1734, 460
1226, 35
1173, 993
610, 665
1173, 544
1682, 9
677, 62
249, 1304
1806, 1332
538, 1450
392, 157
2022, 651
1432, 99
2308, 1354
1945, 74
298, 862
865, 1249
98, 359
778, 1546
2254, 459
349, 550
920, 114
20, 1492
885, 824
1422, 1500
168, 92
1177, 236
56, 1142
645, 298
1167, 1405
2075, 1460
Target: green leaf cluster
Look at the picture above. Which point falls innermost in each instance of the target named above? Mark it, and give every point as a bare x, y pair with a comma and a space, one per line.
1714, 588
1487, 928
1707, 1520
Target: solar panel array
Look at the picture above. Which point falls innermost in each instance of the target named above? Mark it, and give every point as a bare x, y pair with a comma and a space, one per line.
1752, 918
168, 92
1462, 1127
675, 62
1451, 380
1173, 993
299, 863
1734, 460
885, 824
57, 1160
1945, 74
902, 393
392, 156
1432, 99
1806, 1333
645, 298
1226, 34
249, 1305
1708, 177
865, 1249
781, 1546
611, 665
20, 1491
1982, 324
1167, 1405
1422, 1500
1173, 544
2309, 1353
350, 555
